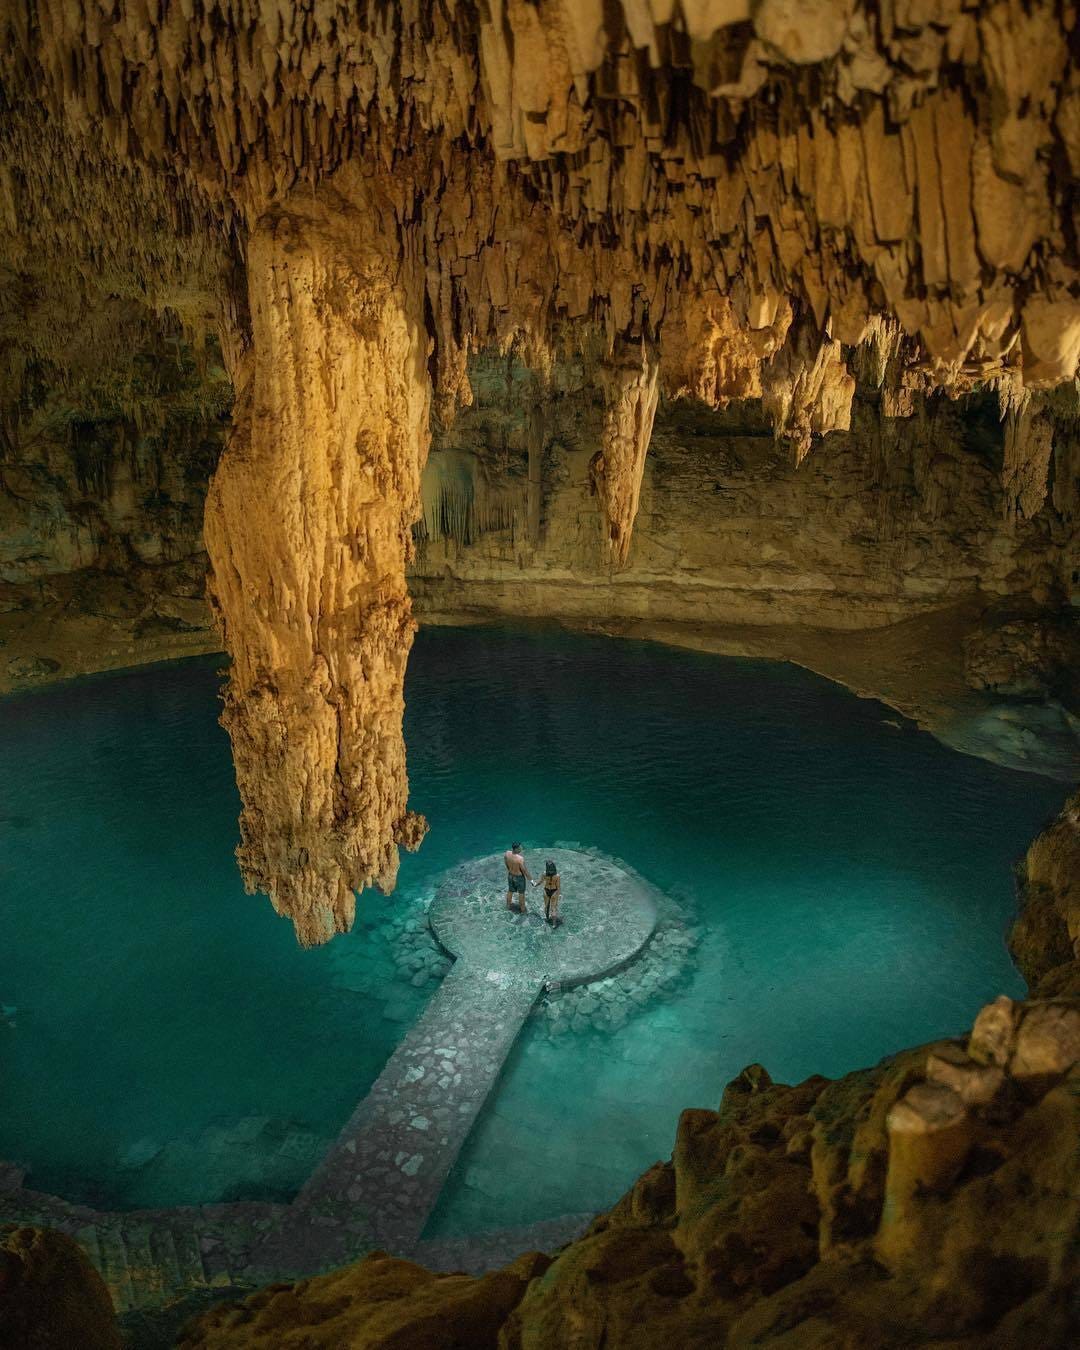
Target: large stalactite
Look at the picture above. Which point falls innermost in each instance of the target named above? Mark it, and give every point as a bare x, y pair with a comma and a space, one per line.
307, 528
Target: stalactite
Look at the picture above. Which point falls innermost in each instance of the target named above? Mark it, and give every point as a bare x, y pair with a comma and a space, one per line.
307, 526
1029, 444
631, 394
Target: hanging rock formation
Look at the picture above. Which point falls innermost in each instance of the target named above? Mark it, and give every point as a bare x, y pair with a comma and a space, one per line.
307, 528
630, 399
753, 191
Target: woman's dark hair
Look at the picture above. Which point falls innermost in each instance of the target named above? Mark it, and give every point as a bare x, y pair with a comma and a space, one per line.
550, 868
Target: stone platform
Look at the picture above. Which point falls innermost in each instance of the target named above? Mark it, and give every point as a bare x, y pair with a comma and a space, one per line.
607, 917
380, 1180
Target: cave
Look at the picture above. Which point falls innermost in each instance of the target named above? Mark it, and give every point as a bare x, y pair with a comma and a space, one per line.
539, 712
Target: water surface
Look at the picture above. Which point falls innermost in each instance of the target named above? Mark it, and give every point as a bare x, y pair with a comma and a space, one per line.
850, 875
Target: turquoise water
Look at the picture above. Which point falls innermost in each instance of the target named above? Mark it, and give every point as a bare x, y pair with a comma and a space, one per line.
850, 876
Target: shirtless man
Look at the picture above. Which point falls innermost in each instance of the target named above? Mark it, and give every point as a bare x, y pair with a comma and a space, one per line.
517, 874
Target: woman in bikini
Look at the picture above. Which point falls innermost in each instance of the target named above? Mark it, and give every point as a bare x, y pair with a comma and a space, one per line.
552, 892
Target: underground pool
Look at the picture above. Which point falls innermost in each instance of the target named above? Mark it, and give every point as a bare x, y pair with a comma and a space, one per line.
833, 884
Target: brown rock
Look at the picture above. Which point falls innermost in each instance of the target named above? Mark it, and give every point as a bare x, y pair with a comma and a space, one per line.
991, 1038
307, 525
379, 1304
974, 1083
1047, 1043
51, 1297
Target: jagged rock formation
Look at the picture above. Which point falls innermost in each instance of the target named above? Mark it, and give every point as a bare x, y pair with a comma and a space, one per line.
750, 190
933, 1198
399, 1304
307, 528
888, 520
630, 397
1045, 941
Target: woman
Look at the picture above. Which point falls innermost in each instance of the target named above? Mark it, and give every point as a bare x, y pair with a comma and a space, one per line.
552, 891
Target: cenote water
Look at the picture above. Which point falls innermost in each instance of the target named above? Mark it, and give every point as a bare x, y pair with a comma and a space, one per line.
849, 875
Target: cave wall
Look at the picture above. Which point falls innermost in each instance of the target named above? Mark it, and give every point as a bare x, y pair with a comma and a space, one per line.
889, 519
105, 460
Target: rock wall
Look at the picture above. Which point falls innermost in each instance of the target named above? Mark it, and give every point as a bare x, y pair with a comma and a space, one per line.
1045, 940
104, 467
889, 519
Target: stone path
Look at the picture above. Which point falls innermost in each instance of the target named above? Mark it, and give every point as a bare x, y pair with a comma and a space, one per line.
379, 1182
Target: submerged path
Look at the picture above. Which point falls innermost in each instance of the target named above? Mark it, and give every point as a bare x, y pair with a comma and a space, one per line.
380, 1180
378, 1184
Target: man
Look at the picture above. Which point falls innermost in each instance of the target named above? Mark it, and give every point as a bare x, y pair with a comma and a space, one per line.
517, 874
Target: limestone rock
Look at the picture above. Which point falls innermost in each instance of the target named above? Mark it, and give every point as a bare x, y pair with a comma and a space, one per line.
380, 1304
1045, 940
1026, 658
51, 1297
307, 527
973, 1082
1048, 1042
991, 1038
630, 399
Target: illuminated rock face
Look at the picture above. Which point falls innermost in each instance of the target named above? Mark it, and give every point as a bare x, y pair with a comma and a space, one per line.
307, 527
745, 194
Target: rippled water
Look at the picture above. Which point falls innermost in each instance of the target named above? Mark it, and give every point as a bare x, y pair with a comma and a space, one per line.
851, 878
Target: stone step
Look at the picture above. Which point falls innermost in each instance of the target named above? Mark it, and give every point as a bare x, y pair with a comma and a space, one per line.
166, 1261
114, 1268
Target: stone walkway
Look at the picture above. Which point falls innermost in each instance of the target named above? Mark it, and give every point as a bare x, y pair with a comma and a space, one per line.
379, 1182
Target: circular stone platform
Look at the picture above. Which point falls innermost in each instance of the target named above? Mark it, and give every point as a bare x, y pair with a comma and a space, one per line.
607, 916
